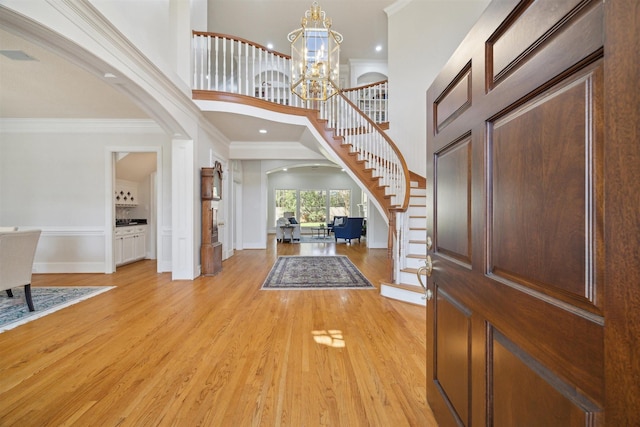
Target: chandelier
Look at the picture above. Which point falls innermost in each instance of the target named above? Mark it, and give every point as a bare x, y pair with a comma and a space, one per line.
315, 57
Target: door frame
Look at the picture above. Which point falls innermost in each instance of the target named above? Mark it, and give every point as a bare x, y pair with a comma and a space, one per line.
622, 204
110, 209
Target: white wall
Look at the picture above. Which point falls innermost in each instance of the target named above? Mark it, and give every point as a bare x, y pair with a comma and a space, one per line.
55, 180
161, 29
377, 228
422, 37
360, 67
254, 213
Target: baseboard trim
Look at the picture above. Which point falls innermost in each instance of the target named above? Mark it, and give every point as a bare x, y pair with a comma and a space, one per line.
68, 267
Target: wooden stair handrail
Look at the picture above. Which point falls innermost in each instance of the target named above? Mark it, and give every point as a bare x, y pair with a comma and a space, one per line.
241, 40
405, 169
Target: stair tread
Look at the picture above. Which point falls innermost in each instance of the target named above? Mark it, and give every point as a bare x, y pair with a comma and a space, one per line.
418, 256
413, 271
418, 241
405, 286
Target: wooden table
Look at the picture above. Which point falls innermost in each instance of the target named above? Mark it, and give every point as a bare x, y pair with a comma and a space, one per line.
319, 230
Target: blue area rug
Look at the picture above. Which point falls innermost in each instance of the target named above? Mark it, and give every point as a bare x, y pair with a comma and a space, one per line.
315, 272
14, 311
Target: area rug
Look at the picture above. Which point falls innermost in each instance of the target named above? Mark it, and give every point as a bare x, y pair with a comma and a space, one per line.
14, 311
315, 239
315, 272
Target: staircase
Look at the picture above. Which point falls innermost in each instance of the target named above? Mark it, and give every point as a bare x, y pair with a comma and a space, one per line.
412, 249
233, 70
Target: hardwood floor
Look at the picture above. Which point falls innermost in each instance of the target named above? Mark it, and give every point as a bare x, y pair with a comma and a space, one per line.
219, 351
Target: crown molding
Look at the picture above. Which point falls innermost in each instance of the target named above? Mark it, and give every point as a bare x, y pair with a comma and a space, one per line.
396, 7
137, 126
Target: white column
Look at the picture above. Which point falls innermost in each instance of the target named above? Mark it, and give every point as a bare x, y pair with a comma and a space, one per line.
183, 253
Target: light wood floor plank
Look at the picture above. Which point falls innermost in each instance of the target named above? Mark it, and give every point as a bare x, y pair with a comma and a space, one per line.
219, 351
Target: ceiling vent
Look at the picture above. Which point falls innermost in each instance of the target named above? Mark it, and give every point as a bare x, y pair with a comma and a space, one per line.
17, 55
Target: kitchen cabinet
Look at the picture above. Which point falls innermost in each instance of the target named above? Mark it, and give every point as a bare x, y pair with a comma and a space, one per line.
117, 249
130, 244
126, 193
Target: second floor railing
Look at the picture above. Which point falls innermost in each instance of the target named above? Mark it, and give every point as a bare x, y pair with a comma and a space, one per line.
371, 99
230, 64
234, 65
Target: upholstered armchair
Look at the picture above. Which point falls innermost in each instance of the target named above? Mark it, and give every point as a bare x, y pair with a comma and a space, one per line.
338, 220
350, 229
287, 229
17, 251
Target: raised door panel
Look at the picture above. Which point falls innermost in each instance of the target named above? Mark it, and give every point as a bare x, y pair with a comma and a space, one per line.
520, 390
544, 169
451, 367
452, 200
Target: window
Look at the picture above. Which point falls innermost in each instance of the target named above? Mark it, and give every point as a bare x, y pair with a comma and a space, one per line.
313, 207
339, 202
286, 201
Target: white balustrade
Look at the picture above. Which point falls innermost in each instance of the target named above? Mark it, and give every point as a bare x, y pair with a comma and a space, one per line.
227, 64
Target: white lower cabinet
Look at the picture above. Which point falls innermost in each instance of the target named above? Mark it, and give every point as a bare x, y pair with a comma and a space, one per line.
130, 244
117, 246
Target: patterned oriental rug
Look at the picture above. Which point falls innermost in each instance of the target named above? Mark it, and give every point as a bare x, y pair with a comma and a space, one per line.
315, 272
14, 311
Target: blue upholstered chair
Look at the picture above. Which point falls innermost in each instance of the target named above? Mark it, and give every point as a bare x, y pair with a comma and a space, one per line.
351, 229
337, 220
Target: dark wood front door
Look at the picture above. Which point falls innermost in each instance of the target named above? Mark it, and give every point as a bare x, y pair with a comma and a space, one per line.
517, 185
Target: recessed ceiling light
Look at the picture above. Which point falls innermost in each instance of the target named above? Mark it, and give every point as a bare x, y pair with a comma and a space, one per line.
269, 45
284, 169
17, 55
378, 48
262, 131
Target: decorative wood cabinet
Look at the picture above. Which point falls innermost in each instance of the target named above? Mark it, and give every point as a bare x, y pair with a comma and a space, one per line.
211, 248
211, 182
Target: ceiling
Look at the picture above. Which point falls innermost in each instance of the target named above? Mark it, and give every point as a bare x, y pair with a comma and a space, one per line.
52, 87
135, 166
363, 23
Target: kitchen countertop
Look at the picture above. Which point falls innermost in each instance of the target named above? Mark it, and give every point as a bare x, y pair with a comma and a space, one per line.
130, 222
